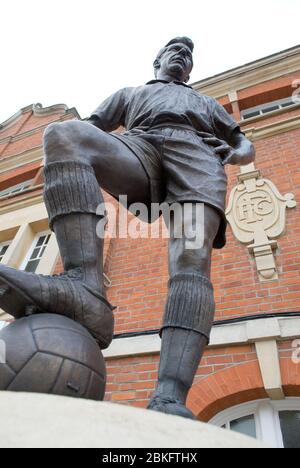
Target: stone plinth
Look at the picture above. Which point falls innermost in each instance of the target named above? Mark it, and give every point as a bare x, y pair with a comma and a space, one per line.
34, 420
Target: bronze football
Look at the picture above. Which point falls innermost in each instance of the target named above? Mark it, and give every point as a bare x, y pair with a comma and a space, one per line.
47, 353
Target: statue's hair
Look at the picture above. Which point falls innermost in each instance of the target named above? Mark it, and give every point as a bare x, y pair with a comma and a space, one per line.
177, 40
182, 40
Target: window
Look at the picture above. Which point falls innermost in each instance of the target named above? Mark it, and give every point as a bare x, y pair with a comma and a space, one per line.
267, 108
245, 425
3, 249
290, 426
36, 252
15, 189
277, 424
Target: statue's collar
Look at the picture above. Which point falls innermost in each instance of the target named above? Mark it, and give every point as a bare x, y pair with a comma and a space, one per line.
168, 82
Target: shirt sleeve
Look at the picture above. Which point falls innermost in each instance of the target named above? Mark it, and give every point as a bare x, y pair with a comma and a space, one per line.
224, 124
111, 114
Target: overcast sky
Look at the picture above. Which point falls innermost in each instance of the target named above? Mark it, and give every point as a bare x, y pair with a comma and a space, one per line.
78, 52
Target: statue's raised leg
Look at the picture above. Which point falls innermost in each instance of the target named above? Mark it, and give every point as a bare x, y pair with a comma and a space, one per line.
72, 196
80, 158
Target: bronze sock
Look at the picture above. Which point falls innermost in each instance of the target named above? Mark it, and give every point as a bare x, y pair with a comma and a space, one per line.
72, 196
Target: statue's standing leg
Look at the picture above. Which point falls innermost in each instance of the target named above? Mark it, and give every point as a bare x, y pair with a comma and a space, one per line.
188, 320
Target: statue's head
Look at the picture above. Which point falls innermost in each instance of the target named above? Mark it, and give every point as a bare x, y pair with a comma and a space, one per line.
175, 59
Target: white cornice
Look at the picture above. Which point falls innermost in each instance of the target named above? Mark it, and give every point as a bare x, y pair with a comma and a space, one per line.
251, 74
39, 110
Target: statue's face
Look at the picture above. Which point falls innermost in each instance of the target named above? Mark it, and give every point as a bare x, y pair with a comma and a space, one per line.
177, 61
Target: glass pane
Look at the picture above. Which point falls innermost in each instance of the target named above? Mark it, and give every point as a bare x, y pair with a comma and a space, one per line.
48, 238
286, 104
249, 115
40, 241
42, 251
3, 250
32, 265
290, 426
244, 425
35, 253
270, 109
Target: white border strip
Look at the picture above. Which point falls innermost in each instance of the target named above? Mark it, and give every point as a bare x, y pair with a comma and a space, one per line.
222, 335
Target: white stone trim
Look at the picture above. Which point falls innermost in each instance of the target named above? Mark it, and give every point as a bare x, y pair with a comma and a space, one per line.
268, 329
233, 96
33, 197
273, 129
19, 247
248, 332
135, 346
24, 215
268, 358
11, 163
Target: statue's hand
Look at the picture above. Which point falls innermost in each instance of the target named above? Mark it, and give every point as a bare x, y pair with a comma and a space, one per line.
228, 154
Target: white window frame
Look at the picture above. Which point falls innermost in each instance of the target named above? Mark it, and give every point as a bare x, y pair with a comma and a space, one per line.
280, 103
16, 188
3, 324
33, 246
4, 244
266, 416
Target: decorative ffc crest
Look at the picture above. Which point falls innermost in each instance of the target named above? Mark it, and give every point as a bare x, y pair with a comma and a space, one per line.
257, 215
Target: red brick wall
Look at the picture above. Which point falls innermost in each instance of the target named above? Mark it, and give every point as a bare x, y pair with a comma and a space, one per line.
227, 372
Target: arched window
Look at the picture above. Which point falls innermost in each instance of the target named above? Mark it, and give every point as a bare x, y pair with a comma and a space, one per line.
275, 423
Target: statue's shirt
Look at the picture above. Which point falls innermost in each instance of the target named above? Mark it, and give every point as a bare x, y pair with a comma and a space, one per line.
165, 126
162, 102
